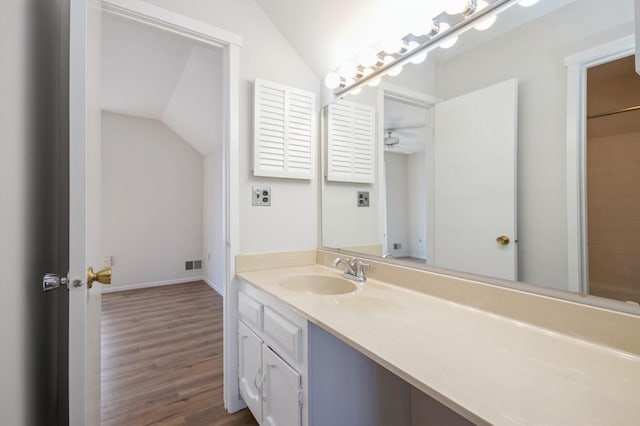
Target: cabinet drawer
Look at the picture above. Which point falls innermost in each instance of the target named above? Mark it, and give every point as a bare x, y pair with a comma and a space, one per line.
283, 334
250, 311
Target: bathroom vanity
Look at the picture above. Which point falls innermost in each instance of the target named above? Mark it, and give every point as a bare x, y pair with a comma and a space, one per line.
419, 347
292, 372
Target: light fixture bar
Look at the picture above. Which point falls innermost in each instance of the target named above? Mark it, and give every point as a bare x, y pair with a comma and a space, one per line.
457, 28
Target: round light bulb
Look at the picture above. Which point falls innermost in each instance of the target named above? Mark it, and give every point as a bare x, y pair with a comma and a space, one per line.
419, 58
356, 91
332, 80
395, 70
412, 45
374, 81
486, 22
447, 42
348, 70
367, 71
387, 59
527, 3
392, 45
368, 58
455, 7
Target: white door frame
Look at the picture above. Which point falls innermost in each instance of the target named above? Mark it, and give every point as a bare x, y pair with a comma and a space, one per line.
577, 65
428, 102
166, 20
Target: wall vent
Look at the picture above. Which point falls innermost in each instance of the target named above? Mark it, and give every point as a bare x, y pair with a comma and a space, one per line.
190, 265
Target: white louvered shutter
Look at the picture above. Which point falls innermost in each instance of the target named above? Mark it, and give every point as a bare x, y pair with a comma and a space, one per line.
284, 128
351, 142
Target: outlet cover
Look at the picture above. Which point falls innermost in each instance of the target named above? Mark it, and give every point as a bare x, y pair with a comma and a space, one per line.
261, 196
363, 198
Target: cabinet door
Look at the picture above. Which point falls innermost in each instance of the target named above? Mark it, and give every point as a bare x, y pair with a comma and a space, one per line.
249, 369
282, 391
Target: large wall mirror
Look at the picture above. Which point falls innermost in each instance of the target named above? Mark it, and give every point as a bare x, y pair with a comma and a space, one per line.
513, 154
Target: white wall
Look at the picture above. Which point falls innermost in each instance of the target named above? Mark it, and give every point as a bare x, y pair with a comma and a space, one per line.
406, 178
14, 303
213, 227
417, 204
535, 55
152, 201
344, 224
291, 223
398, 226
421, 78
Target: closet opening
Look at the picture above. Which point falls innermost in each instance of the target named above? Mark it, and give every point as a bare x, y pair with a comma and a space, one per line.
613, 179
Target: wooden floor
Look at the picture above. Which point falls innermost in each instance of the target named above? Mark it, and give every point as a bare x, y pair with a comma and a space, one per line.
162, 358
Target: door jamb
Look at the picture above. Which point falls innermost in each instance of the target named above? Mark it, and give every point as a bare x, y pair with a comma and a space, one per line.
167, 20
577, 65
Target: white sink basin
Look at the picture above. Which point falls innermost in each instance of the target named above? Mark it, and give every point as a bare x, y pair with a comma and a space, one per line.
319, 284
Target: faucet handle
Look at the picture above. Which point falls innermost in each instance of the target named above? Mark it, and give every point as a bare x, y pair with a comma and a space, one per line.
360, 267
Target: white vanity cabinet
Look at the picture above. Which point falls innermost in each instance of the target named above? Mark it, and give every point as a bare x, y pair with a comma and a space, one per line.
250, 369
272, 367
292, 372
282, 391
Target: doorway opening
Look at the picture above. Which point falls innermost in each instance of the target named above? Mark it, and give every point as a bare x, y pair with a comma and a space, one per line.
169, 155
407, 131
578, 66
612, 177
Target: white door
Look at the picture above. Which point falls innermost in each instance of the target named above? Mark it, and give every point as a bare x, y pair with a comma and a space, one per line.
249, 369
282, 391
475, 139
84, 210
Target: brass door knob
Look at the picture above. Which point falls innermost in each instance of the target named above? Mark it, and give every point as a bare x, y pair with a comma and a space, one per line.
503, 240
103, 276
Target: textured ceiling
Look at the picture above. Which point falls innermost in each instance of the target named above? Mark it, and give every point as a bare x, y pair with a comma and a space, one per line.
154, 74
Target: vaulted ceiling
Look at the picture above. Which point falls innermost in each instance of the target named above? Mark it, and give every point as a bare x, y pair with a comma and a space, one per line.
328, 33
159, 75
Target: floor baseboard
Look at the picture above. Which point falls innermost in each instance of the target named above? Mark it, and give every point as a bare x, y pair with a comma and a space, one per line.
107, 289
215, 288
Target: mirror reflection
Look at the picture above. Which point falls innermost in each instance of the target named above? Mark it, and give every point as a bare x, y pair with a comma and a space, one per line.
479, 162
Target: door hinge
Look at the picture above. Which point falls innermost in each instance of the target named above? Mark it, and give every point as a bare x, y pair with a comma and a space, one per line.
53, 281
300, 398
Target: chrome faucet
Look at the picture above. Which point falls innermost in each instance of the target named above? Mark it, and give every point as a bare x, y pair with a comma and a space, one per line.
353, 268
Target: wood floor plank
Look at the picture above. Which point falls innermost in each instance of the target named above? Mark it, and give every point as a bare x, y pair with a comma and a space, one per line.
162, 358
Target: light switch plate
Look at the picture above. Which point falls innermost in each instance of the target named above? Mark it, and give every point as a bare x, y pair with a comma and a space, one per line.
261, 196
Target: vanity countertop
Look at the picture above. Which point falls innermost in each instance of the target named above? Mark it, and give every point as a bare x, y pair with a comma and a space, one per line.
488, 368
